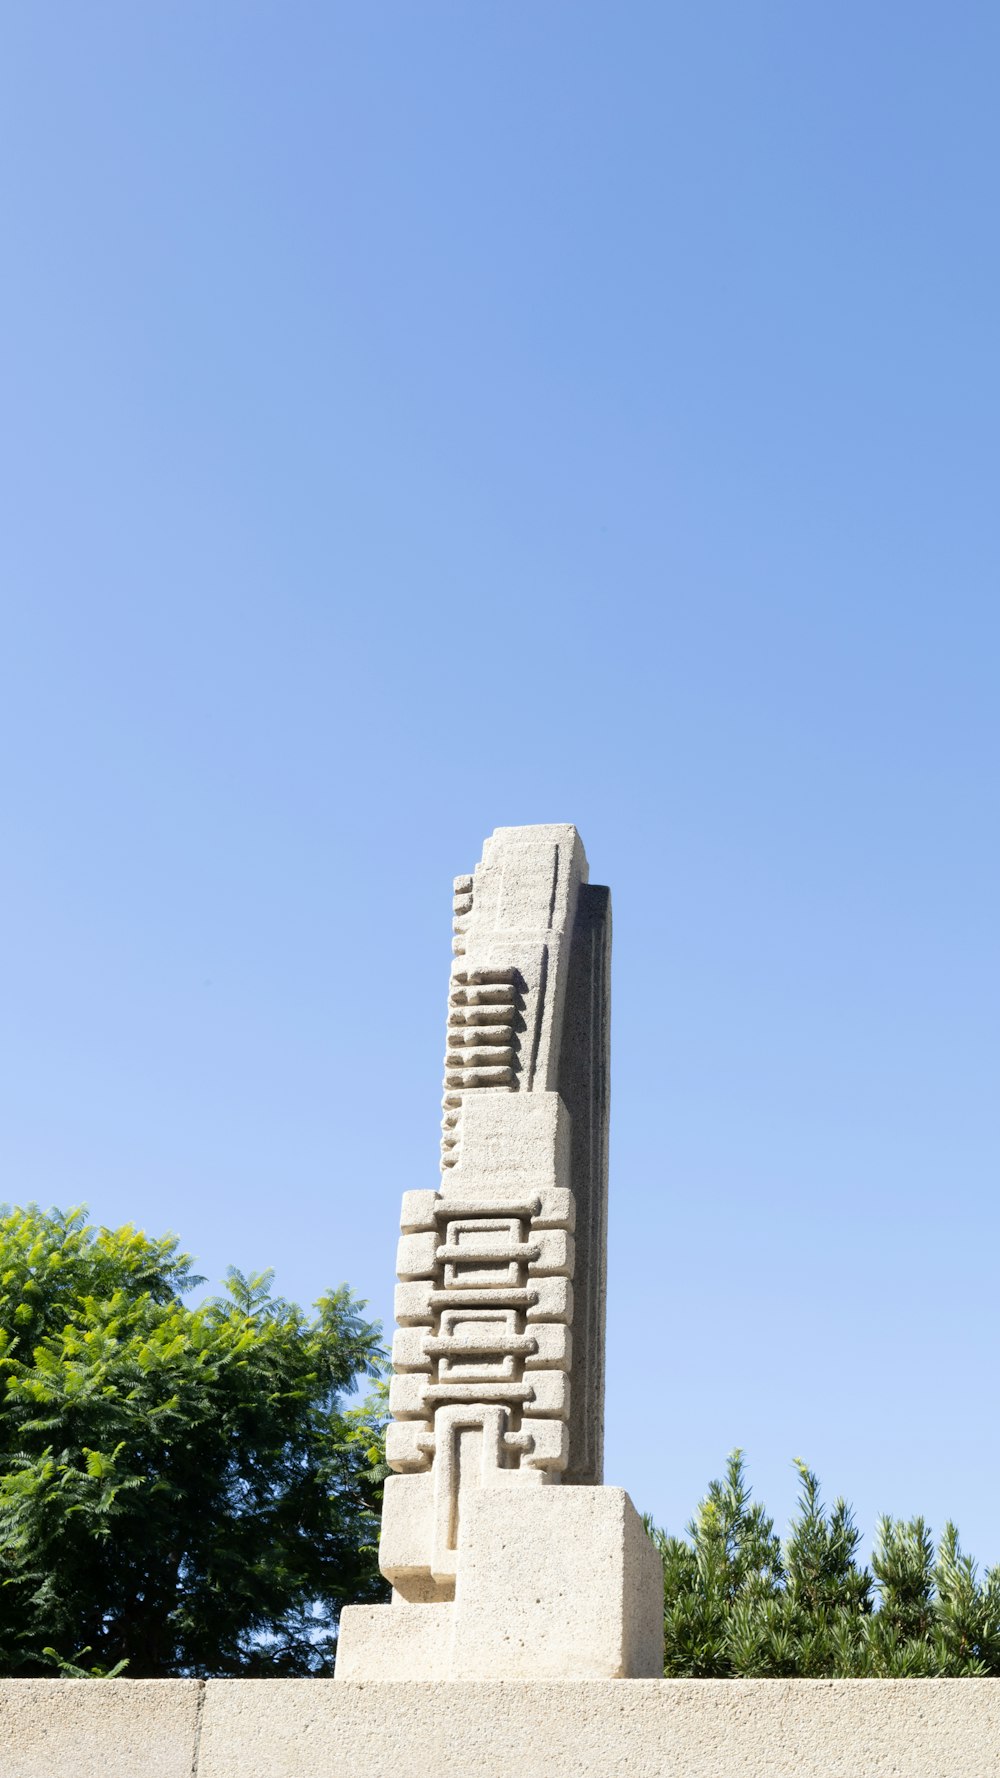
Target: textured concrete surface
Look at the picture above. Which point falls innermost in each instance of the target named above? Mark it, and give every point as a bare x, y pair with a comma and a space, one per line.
399, 1641
559, 1584
638, 1728
554, 1583
498, 1358
490, 1278
93, 1728
627, 1728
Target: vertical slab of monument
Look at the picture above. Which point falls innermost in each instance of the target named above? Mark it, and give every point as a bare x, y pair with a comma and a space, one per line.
508, 1558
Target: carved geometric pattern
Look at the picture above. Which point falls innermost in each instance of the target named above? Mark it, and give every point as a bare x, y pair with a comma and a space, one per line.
480, 1393
484, 1350
484, 1016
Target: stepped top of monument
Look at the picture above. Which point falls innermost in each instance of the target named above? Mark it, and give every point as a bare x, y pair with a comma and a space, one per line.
537, 833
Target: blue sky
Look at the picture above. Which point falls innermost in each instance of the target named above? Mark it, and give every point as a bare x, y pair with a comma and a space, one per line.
422, 418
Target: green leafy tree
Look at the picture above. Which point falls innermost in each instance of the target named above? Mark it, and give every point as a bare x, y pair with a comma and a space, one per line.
181, 1489
738, 1602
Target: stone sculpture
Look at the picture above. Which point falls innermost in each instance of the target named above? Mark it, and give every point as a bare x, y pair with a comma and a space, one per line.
506, 1556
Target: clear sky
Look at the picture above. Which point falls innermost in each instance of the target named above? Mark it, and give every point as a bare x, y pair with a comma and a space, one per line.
422, 417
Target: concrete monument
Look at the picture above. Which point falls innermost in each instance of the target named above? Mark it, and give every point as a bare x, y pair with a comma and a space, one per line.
507, 1557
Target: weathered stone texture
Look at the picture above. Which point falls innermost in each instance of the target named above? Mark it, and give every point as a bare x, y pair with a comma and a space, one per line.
556, 1583
667, 1728
493, 1279
99, 1728
528, 1612
498, 1358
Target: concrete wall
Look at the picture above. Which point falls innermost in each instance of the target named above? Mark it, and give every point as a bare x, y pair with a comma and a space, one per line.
671, 1728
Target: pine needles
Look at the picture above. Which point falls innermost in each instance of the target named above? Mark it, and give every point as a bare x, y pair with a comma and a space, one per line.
739, 1602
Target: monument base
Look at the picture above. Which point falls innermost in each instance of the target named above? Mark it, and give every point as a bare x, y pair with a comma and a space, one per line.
631, 1728
553, 1583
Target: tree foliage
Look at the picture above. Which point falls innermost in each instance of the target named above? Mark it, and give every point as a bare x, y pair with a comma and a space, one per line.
185, 1490
181, 1489
739, 1602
